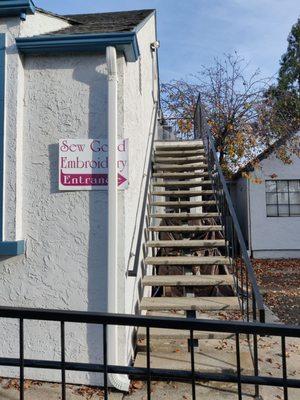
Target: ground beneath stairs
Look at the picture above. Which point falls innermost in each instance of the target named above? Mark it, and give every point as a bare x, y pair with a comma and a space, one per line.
279, 281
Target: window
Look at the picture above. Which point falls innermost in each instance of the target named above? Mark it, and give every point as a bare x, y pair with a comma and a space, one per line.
283, 198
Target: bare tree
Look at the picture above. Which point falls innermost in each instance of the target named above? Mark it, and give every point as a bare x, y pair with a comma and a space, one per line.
239, 114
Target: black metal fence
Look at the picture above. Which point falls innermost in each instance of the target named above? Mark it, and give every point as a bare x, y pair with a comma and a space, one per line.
191, 375
251, 301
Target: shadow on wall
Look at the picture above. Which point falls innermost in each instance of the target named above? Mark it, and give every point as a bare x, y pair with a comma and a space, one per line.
98, 216
97, 203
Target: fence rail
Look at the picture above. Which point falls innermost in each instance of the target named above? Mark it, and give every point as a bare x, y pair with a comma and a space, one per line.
147, 373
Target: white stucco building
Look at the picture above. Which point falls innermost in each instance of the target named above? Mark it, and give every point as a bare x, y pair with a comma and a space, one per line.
55, 79
269, 210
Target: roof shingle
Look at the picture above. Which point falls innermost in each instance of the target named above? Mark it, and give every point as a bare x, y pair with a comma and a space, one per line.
122, 21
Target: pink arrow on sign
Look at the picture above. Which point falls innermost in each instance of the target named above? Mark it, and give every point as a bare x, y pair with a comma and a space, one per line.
121, 179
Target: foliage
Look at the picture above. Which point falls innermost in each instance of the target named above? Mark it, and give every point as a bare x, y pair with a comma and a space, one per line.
289, 72
282, 100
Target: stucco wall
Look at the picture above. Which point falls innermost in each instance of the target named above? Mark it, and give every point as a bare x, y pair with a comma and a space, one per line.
239, 194
65, 232
273, 236
40, 23
65, 265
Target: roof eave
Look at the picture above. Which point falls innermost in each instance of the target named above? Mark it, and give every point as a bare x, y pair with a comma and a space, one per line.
125, 42
16, 7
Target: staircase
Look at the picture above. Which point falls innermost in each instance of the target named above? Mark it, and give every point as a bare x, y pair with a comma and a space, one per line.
186, 235
190, 272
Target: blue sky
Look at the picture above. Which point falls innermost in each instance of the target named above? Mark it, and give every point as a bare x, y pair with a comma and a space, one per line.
193, 32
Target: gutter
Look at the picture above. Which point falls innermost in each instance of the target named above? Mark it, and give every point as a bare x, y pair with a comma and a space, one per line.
120, 382
125, 42
16, 7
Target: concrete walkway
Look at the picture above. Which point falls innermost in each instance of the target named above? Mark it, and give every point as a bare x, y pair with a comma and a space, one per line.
270, 364
9, 390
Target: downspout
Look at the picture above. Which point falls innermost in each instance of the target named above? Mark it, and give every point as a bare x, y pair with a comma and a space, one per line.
120, 382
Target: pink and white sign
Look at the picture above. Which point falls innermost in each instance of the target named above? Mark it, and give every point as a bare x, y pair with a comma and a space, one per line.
83, 164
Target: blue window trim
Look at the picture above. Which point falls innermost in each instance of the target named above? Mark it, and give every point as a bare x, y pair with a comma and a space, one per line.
12, 248
125, 42
16, 7
2, 116
17, 247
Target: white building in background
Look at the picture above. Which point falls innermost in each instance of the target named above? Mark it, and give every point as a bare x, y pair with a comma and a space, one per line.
55, 74
269, 211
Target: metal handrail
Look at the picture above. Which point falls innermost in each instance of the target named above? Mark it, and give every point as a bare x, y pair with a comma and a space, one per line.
133, 272
202, 131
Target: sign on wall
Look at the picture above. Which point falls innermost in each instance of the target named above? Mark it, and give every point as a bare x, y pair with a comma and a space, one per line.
83, 164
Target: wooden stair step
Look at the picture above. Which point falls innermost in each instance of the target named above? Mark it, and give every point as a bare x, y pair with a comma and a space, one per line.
179, 160
191, 183
182, 193
179, 153
186, 243
185, 215
178, 175
190, 303
175, 145
182, 204
188, 260
206, 360
188, 280
185, 228
181, 167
